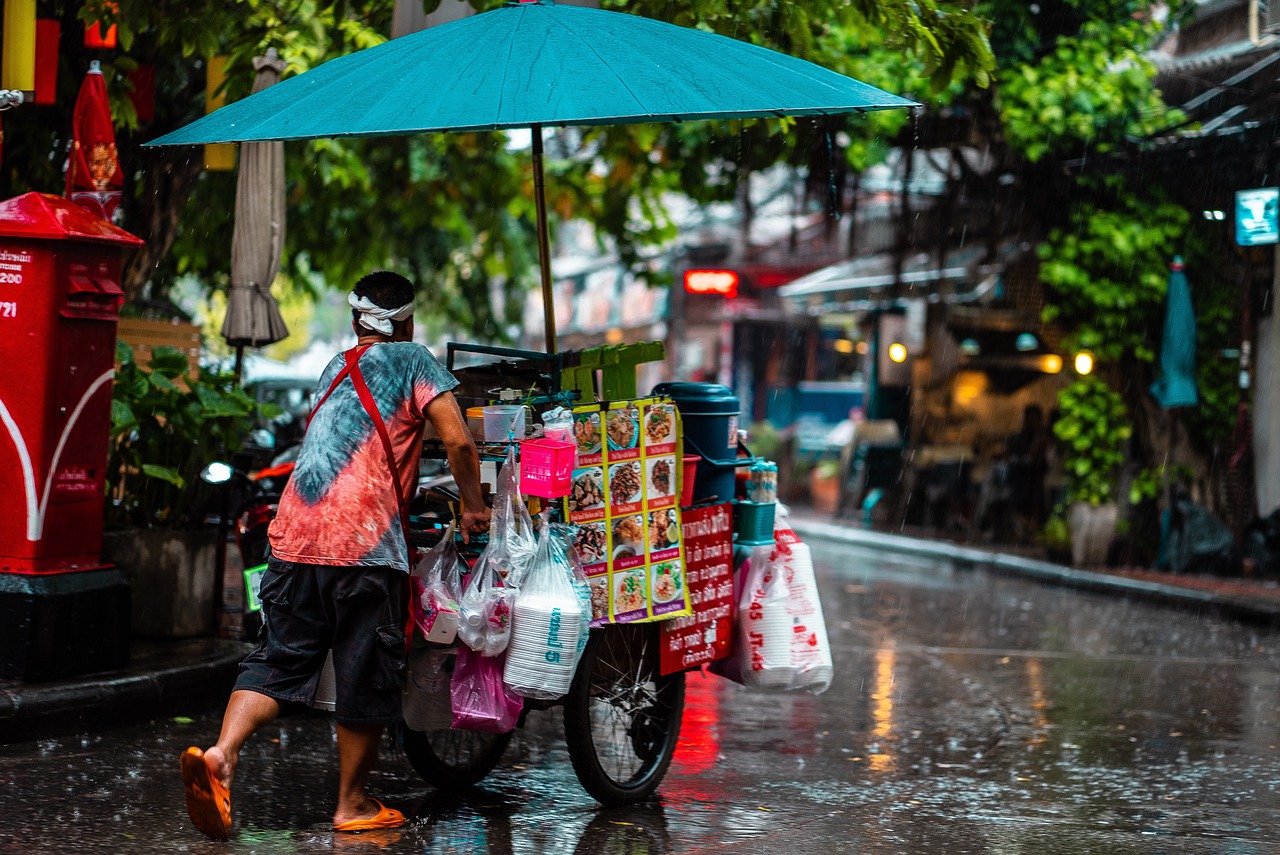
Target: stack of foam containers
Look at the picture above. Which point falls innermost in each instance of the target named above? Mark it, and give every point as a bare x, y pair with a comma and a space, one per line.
543, 651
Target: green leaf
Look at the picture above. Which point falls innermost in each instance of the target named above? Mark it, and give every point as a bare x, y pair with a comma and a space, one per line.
164, 473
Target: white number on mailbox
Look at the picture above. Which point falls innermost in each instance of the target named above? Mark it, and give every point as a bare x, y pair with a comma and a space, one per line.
8, 310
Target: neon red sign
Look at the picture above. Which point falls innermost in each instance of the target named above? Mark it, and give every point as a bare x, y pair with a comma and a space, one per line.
719, 283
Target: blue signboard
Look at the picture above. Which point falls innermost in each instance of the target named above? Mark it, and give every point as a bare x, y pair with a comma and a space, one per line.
1258, 216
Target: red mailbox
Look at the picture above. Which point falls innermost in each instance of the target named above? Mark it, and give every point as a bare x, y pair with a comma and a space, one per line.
60, 299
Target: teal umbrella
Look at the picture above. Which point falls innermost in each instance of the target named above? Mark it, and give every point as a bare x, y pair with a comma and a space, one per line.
1176, 385
530, 65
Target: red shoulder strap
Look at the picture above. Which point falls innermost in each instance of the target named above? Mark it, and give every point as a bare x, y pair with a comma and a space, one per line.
371, 407
346, 369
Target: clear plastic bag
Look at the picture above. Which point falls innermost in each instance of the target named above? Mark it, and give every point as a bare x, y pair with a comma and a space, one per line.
479, 698
563, 537
512, 537
485, 607
433, 581
547, 624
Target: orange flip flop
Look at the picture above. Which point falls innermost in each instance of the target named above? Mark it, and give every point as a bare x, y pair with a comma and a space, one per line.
208, 799
385, 818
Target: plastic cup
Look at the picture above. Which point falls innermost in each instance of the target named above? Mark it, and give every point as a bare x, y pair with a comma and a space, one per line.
501, 421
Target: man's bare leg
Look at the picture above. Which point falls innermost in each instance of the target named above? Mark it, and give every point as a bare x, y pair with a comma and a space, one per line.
357, 752
246, 713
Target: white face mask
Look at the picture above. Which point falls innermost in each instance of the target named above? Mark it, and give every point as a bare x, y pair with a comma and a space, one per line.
376, 318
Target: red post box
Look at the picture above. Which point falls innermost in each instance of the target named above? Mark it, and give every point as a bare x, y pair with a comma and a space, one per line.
60, 298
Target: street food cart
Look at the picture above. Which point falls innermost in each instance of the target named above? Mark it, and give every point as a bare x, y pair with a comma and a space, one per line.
493, 72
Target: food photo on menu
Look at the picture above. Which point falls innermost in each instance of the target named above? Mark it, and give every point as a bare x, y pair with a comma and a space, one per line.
629, 593
628, 536
625, 483
621, 428
659, 424
591, 543
586, 432
599, 586
662, 482
587, 492
668, 581
664, 531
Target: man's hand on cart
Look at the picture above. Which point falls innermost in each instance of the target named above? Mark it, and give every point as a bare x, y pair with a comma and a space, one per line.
473, 522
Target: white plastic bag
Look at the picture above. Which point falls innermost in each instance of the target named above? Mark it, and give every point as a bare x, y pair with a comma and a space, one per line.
563, 537
434, 579
512, 537
780, 641
485, 607
546, 625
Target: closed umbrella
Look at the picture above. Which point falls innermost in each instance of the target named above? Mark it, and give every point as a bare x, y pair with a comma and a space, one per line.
1176, 385
530, 65
257, 242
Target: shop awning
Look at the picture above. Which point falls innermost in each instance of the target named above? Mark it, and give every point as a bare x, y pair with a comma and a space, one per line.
870, 283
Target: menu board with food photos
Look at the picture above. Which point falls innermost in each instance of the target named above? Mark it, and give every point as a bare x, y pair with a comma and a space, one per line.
625, 503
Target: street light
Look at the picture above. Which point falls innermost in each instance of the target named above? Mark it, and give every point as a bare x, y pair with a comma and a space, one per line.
1084, 362
898, 352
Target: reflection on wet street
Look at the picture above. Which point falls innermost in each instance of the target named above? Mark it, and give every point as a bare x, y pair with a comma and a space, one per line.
970, 714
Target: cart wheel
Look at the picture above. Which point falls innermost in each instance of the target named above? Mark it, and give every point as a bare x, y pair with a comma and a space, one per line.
449, 759
621, 718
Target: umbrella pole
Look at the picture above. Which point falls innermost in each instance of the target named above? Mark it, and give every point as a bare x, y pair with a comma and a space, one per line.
239, 362
544, 240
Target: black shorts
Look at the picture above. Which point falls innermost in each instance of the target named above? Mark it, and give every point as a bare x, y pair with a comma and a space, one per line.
307, 609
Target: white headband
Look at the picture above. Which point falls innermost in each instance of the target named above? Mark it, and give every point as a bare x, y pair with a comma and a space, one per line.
374, 316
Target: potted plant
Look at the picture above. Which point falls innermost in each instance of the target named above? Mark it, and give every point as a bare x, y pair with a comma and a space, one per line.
167, 424
1092, 432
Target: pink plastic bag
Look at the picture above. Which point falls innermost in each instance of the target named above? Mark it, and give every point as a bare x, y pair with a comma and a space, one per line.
481, 701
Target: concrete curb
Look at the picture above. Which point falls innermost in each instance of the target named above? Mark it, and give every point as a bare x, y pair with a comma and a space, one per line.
1041, 571
166, 679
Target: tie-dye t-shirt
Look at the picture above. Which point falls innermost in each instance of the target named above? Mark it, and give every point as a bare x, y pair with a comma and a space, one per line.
340, 506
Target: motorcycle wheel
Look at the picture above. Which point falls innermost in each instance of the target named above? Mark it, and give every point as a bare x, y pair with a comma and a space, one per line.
621, 717
449, 759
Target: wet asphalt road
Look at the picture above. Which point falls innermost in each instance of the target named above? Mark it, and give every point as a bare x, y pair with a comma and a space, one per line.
970, 714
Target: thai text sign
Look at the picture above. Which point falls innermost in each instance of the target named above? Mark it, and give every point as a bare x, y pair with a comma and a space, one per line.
707, 634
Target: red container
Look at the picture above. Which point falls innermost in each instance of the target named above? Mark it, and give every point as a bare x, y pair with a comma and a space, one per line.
59, 303
687, 479
546, 467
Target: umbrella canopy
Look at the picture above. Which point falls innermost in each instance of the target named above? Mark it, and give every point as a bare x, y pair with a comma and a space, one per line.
1176, 385
530, 65
94, 181
257, 242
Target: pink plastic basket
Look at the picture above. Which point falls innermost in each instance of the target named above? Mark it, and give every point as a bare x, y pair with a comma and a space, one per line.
546, 467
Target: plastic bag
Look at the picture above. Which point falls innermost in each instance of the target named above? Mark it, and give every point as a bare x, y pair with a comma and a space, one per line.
546, 624
485, 607
1200, 543
512, 538
563, 537
479, 698
780, 641
434, 605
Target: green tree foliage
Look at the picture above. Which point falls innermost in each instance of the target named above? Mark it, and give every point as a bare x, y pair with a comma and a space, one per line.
1090, 93
167, 424
1109, 266
1093, 432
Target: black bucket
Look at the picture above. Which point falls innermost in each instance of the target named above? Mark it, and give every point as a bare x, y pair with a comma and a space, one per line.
709, 412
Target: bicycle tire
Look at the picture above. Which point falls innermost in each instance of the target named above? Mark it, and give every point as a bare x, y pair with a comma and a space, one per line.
621, 717
449, 759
